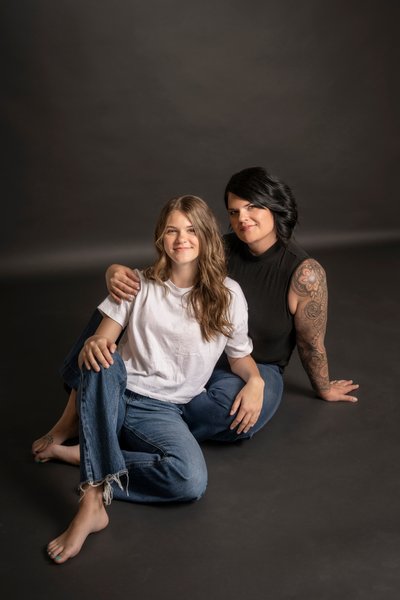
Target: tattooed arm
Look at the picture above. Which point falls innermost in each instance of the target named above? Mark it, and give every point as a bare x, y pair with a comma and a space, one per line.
308, 301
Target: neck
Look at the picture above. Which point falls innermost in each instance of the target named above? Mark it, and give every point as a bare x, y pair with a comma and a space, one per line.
262, 246
183, 276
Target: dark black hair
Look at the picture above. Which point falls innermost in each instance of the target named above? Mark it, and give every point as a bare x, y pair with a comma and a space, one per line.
266, 191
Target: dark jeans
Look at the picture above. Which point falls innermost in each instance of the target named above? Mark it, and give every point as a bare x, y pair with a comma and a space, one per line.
207, 415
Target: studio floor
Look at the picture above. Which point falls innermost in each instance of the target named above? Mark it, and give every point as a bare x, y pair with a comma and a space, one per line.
308, 509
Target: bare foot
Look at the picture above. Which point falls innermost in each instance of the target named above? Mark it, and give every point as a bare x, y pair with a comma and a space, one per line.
90, 518
53, 437
65, 429
42, 443
68, 454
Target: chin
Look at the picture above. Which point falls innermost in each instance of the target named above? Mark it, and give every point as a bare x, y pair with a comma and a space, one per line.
245, 237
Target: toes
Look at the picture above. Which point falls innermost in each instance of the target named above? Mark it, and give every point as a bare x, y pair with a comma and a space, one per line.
56, 556
59, 552
40, 458
60, 558
53, 553
55, 547
42, 443
37, 446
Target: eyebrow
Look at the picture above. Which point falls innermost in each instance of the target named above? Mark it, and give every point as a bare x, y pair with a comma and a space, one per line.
176, 228
245, 206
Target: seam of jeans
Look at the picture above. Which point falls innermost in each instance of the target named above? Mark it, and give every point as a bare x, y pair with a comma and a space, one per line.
147, 440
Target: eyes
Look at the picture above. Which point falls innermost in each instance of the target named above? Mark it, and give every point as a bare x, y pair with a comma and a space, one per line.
234, 212
174, 231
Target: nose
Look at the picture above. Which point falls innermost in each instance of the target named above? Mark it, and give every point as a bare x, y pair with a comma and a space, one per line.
243, 216
181, 236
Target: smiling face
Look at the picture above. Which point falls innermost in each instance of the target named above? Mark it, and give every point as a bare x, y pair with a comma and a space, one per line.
180, 240
253, 225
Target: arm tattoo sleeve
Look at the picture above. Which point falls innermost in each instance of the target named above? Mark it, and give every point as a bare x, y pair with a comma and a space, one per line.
309, 284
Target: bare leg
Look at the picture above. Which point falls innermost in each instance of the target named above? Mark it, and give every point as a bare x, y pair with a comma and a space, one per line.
65, 428
90, 518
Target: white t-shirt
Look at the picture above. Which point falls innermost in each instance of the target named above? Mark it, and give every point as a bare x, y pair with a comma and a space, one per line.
164, 353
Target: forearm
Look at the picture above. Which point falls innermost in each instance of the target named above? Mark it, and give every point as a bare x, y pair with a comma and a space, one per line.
108, 329
98, 348
245, 367
315, 362
248, 403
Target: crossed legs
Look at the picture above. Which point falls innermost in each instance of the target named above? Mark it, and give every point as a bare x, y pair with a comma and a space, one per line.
132, 447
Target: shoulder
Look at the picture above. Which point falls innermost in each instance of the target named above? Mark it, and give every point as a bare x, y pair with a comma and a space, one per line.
235, 288
148, 288
308, 278
295, 250
141, 275
233, 285
145, 283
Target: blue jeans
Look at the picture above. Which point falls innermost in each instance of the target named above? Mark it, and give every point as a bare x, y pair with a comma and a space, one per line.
127, 438
70, 371
207, 415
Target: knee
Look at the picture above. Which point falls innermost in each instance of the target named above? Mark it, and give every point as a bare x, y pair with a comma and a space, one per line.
193, 483
273, 393
224, 391
116, 371
194, 488
272, 397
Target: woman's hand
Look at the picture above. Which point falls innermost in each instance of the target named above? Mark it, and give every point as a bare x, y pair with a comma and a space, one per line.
247, 405
97, 350
122, 283
339, 390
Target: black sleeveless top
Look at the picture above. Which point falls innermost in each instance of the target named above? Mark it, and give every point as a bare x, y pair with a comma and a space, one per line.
265, 281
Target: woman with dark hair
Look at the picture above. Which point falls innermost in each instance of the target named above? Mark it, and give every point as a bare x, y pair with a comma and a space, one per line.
279, 279
287, 297
130, 402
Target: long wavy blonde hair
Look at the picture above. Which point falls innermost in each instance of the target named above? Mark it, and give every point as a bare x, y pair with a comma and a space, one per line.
209, 298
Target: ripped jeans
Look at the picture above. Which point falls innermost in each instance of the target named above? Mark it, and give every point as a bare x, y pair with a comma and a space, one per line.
140, 448
150, 444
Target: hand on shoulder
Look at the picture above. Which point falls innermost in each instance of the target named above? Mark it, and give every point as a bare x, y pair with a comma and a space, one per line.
122, 282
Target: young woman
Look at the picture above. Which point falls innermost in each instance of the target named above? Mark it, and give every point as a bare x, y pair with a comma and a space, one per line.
134, 442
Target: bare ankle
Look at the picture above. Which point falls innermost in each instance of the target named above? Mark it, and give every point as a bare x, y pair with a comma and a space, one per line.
92, 495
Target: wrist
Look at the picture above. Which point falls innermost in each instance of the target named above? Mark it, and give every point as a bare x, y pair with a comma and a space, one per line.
256, 380
323, 392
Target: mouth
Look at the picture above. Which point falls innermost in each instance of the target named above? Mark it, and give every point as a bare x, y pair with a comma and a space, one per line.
245, 228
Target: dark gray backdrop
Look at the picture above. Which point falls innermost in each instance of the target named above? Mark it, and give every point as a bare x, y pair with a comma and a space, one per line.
110, 108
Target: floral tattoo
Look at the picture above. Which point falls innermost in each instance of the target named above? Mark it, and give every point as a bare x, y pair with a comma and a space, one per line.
309, 284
